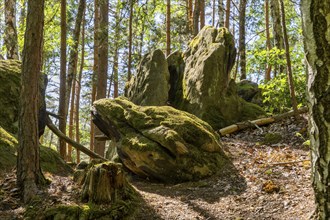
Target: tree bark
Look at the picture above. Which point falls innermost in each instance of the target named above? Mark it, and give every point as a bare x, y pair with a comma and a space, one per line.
168, 27
73, 56
101, 90
316, 31
278, 33
242, 52
202, 7
95, 68
268, 65
213, 13
62, 108
196, 17
10, 37
29, 174
221, 12
189, 16
227, 14
130, 36
116, 50
288, 60
71, 127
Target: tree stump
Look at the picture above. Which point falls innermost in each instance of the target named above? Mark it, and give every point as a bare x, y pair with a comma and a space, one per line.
105, 183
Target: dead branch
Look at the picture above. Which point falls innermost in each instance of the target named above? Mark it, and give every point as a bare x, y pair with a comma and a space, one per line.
76, 145
258, 122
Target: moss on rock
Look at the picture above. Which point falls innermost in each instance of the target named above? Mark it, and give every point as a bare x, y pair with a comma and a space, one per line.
8, 145
162, 142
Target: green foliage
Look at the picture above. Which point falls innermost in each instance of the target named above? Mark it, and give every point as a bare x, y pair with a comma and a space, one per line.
276, 93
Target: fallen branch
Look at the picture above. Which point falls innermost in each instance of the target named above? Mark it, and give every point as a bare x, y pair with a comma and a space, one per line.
258, 122
74, 144
286, 163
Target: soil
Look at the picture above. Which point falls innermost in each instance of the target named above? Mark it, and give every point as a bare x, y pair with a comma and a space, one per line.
268, 180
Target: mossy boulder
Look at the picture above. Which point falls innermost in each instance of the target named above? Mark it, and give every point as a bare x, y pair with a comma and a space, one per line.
150, 86
161, 142
50, 160
10, 79
249, 91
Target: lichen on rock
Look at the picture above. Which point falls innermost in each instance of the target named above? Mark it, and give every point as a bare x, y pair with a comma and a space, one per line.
161, 142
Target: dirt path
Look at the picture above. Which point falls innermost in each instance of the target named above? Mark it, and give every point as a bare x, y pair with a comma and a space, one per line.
264, 186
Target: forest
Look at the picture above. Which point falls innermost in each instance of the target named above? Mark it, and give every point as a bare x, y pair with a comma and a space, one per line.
149, 109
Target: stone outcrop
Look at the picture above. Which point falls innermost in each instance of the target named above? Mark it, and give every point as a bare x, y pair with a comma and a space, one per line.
249, 91
199, 81
10, 81
160, 142
150, 86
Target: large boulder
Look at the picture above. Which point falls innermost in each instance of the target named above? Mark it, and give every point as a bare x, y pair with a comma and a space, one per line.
160, 142
150, 86
249, 91
10, 81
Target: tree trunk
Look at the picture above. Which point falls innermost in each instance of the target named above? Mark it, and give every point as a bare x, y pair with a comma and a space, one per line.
316, 31
73, 57
221, 12
268, 65
168, 27
242, 53
71, 128
10, 37
278, 33
227, 14
101, 90
202, 7
62, 108
95, 68
213, 13
129, 63
189, 16
29, 173
21, 23
114, 77
104, 184
196, 17
288, 61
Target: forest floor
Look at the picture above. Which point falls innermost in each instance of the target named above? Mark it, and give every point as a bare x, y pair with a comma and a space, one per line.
271, 180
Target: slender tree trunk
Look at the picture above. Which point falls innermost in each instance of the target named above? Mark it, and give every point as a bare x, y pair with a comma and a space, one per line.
130, 33
317, 46
202, 7
168, 27
78, 85
101, 90
227, 14
242, 53
115, 58
268, 66
190, 16
73, 57
278, 33
10, 37
288, 61
22, 16
221, 12
71, 127
95, 67
29, 174
196, 17
62, 109
213, 13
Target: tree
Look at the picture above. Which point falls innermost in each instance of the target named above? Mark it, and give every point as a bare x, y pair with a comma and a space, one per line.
242, 53
29, 174
196, 17
268, 66
10, 38
189, 16
202, 13
278, 33
72, 70
116, 52
317, 47
168, 27
130, 36
221, 13
101, 90
288, 61
62, 108
227, 14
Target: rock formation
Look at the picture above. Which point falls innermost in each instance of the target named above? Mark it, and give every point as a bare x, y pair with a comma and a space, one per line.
199, 81
152, 78
160, 142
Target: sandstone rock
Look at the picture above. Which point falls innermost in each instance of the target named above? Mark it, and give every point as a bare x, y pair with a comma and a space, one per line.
161, 142
249, 91
150, 86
